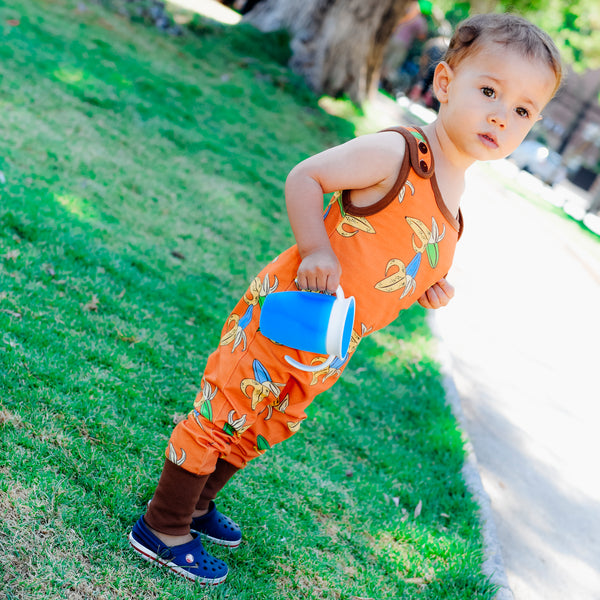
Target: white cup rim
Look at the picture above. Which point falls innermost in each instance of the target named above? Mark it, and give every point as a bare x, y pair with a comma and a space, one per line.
337, 322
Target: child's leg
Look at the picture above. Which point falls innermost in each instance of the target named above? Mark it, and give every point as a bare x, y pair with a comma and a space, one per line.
276, 422
195, 440
192, 459
223, 472
174, 500
163, 535
208, 521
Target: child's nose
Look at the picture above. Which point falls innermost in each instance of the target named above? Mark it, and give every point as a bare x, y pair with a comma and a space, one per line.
498, 118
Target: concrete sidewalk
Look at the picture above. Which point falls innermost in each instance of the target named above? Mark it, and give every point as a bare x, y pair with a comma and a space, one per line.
523, 337
520, 347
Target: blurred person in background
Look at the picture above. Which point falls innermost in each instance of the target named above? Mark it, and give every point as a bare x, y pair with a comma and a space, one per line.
412, 27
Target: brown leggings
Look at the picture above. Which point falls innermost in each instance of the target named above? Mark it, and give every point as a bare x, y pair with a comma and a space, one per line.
180, 492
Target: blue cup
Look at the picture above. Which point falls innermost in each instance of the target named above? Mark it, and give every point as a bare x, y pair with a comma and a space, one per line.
309, 321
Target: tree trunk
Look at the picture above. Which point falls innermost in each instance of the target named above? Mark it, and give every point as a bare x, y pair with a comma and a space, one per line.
337, 45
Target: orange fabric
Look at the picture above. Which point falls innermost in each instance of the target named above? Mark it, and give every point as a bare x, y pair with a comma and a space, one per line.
250, 397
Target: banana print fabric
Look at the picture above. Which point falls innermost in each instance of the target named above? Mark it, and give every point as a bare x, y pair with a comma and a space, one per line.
391, 252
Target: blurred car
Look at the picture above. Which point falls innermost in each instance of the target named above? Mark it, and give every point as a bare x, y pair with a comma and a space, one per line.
540, 161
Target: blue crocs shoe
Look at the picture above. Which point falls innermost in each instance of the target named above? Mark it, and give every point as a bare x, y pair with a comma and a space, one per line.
216, 527
189, 560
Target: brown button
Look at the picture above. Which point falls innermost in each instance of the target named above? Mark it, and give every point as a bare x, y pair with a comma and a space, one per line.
423, 147
423, 166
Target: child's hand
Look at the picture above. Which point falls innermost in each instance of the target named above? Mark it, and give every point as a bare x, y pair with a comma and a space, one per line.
438, 295
319, 271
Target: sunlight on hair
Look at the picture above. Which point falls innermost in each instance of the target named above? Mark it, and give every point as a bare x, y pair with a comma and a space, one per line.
210, 9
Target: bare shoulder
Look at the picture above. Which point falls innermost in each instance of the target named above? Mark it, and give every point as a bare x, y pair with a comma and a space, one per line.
382, 152
381, 156
365, 162
388, 143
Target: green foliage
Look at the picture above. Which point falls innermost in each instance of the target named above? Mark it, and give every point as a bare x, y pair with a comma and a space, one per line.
457, 12
574, 26
141, 189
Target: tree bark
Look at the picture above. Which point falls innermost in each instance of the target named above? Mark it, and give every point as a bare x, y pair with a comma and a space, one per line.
337, 45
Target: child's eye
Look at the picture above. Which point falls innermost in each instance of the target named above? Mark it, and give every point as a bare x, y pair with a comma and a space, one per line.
522, 112
488, 92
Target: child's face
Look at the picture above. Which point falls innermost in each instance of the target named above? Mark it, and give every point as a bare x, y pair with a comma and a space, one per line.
491, 99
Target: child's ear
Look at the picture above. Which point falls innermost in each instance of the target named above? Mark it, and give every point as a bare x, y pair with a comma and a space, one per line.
442, 77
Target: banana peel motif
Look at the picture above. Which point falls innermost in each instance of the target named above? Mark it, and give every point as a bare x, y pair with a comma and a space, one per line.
429, 239
259, 391
261, 385
236, 334
354, 341
234, 426
421, 231
293, 426
411, 284
267, 288
261, 444
282, 405
204, 406
356, 223
279, 405
173, 455
333, 369
395, 281
259, 289
402, 193
398, 280
356, 338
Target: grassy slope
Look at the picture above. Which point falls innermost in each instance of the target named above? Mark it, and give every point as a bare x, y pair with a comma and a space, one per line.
143, 189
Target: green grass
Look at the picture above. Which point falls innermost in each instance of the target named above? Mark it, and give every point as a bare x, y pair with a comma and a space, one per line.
142, 189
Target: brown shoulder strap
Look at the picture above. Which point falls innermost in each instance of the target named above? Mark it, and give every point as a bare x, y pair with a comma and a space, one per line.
421, 157
461, 224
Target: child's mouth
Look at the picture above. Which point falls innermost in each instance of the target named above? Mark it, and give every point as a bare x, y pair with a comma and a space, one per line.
488, 140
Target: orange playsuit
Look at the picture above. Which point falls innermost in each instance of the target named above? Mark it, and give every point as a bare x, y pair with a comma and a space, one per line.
390, 253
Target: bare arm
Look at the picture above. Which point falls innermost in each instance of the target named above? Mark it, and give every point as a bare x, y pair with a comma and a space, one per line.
368, 165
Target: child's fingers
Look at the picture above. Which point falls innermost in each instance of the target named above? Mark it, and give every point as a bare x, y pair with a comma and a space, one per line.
333, 281
301, 282
307, 280
318, 282
424, 301
446, 287
319, 272
433, 297
438, 295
